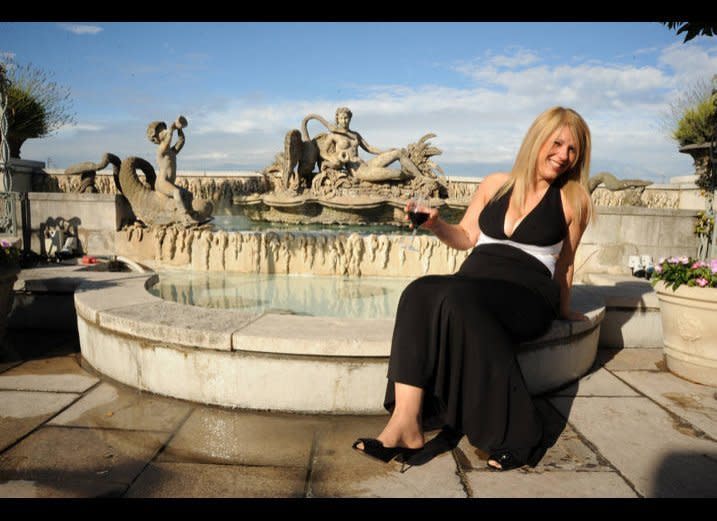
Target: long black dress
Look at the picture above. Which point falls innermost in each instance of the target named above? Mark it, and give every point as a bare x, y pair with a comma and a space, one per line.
456, 336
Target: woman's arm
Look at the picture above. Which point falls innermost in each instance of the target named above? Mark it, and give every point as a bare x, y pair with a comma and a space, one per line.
564, 267
464, 235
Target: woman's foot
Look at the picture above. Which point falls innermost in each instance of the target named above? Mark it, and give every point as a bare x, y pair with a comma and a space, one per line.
398, 433
504, 460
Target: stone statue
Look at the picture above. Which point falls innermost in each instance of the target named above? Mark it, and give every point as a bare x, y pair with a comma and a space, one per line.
163, 202
335, 153
338, 150
88, 171
613, 184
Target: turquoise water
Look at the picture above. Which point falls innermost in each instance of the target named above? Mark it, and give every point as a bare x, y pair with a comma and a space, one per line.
349, 297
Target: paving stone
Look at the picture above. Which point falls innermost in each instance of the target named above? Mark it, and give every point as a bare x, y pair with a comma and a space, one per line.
631, 359
166, 480
62, 374
558, 484
694, 402
23, 411
60, 453
566, 450
121, 407
597, 383
660, 455
213, 435
340, 471
66, 488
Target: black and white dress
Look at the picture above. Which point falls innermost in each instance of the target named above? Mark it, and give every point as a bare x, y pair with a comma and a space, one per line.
456, 336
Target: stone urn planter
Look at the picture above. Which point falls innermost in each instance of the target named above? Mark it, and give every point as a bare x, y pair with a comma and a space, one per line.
689, 331
8, 276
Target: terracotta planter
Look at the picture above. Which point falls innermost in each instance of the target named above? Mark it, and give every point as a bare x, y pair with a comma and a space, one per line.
8, 276
689, 331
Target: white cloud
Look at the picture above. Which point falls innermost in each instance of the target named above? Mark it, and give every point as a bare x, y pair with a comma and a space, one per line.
81, 28
478, 127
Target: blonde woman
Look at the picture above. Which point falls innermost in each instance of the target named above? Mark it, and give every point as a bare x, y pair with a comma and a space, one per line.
453, 357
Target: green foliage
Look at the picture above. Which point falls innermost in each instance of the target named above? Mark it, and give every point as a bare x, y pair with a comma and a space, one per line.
37, 106
698, 124
693, 29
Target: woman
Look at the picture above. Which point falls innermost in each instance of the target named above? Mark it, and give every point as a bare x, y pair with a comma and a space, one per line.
453, 356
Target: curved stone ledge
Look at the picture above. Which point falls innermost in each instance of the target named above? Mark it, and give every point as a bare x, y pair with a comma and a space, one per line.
279, 362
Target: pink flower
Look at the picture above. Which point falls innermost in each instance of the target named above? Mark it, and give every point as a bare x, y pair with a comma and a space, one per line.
713, 265
4, 243
698, 264
684, 260
701, 282
673, 260
662, 259
658, 268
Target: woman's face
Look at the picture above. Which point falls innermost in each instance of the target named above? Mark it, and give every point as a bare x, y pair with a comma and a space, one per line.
557, 154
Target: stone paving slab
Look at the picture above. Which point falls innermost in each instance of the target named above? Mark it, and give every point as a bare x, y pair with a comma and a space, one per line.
56, 454
169, 480
340, 471
559, 484
659, 455
61, 374
22, 411
694, 402
120, 407
566, 450
642, 359
67, 488
214, 435
597, 383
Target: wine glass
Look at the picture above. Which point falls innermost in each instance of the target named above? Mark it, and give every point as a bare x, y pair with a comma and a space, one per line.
418, 213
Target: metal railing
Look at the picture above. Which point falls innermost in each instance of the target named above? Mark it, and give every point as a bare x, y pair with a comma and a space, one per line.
8, 199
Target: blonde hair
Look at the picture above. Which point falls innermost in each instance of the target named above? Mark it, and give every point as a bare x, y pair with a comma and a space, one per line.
575, 180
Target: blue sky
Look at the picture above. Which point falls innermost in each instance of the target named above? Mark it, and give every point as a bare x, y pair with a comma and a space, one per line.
477, 86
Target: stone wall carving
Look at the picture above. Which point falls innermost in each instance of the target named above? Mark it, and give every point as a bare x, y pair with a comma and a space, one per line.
286, 252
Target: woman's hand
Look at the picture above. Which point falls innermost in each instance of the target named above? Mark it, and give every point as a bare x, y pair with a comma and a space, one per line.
432, 216
573, 315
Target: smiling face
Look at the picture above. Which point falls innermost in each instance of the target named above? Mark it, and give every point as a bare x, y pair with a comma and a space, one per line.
557, 154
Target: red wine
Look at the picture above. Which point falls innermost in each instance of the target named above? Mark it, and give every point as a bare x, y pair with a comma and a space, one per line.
418, 218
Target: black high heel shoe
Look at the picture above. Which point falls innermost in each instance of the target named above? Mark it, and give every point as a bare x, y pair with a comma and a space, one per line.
373, 448
506, 461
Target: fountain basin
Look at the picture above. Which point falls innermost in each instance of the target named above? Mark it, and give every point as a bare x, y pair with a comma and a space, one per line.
273, 361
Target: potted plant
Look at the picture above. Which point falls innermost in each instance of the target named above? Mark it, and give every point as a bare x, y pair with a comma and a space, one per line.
9, 268
687, 292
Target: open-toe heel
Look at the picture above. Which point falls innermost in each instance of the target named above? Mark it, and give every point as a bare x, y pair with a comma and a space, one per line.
506, 461
373, 448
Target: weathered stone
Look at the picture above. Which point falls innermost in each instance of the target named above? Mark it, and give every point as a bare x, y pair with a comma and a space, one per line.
659, 454
21, 412
558, 484
164, 480
117, 407
64, 488
340, 471
631, 359
232, 437
597, 383
62, 374
56, 453
694, 402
